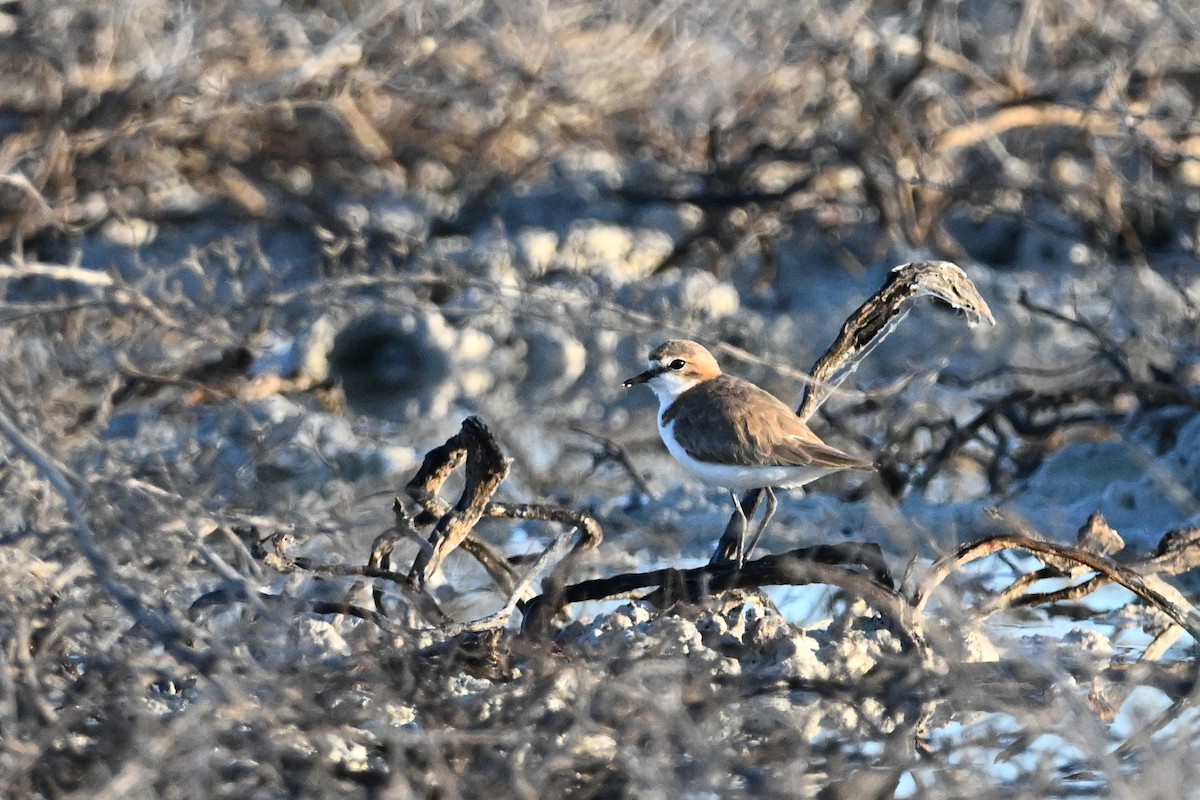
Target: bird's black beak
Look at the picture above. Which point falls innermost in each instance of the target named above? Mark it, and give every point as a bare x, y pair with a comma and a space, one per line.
642, 378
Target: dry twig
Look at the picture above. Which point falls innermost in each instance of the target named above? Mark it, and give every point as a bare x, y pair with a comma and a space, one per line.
858, 569
1039, 414
486, 468
1183, 615
616, 452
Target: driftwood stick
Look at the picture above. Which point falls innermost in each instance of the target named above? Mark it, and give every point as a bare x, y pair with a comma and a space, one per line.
590, 533
486, 469
420, 601
1162, 643
1178, 551
381, 559
439, 464
500, 571
476, 446
1185, 617
875, 319
1094, 536
550, 556
828, 564
493, 562
863, 330
1067, 593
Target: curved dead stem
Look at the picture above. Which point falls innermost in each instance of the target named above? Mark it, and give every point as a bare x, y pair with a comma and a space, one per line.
850, 568
1186, 618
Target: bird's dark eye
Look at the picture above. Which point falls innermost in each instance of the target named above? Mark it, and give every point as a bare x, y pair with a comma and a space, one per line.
676, 364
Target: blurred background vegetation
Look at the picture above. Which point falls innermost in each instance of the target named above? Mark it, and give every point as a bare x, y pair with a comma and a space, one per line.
917, 121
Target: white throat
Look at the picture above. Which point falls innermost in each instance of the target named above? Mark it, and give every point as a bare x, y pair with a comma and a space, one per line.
668, 386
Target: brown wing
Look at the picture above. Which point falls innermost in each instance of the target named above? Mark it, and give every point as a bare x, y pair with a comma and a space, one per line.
799, 452
705, 418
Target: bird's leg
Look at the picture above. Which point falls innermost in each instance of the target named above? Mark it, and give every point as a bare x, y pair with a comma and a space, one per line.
772, 504
741, 541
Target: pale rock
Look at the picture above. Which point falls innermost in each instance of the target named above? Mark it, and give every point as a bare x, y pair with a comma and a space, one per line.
129, 232
536, 248
1089, 640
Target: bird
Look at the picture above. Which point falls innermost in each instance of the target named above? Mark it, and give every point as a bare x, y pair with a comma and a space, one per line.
728, 432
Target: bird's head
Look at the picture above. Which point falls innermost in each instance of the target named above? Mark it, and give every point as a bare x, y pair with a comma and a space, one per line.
676, 366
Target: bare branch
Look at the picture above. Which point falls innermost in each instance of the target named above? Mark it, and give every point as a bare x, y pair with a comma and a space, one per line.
1186, 617
1109, 349
614, 451
486, 468
827, 564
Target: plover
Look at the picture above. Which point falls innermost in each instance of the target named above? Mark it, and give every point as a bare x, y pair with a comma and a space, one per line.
730, 433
